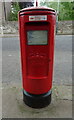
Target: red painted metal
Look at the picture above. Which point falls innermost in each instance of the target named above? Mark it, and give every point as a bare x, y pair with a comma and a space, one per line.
37, 60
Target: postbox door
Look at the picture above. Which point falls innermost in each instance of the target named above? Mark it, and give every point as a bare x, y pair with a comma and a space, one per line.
37, 53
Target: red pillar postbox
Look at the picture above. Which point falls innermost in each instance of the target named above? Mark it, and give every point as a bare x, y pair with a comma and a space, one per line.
36, 28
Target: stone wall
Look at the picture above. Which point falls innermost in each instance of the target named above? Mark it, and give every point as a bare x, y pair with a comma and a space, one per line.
64, 27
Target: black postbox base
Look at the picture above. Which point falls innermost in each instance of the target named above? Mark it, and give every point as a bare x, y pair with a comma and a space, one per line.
37, 101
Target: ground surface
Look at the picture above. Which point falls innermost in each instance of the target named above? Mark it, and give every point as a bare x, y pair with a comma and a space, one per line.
12, 104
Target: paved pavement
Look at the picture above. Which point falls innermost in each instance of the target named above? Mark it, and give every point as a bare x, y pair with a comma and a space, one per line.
14, 107
12, 104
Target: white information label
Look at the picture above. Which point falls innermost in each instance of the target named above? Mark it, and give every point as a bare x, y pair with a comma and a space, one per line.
37, 37
38, 18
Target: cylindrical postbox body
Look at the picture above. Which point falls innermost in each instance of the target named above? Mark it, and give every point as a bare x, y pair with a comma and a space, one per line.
36, 28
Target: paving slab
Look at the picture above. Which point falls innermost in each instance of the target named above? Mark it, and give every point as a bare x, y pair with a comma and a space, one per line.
14, 107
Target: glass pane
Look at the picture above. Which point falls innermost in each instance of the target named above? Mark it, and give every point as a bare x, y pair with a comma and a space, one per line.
37, 37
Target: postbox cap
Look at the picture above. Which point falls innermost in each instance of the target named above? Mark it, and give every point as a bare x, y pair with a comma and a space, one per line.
37, 9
